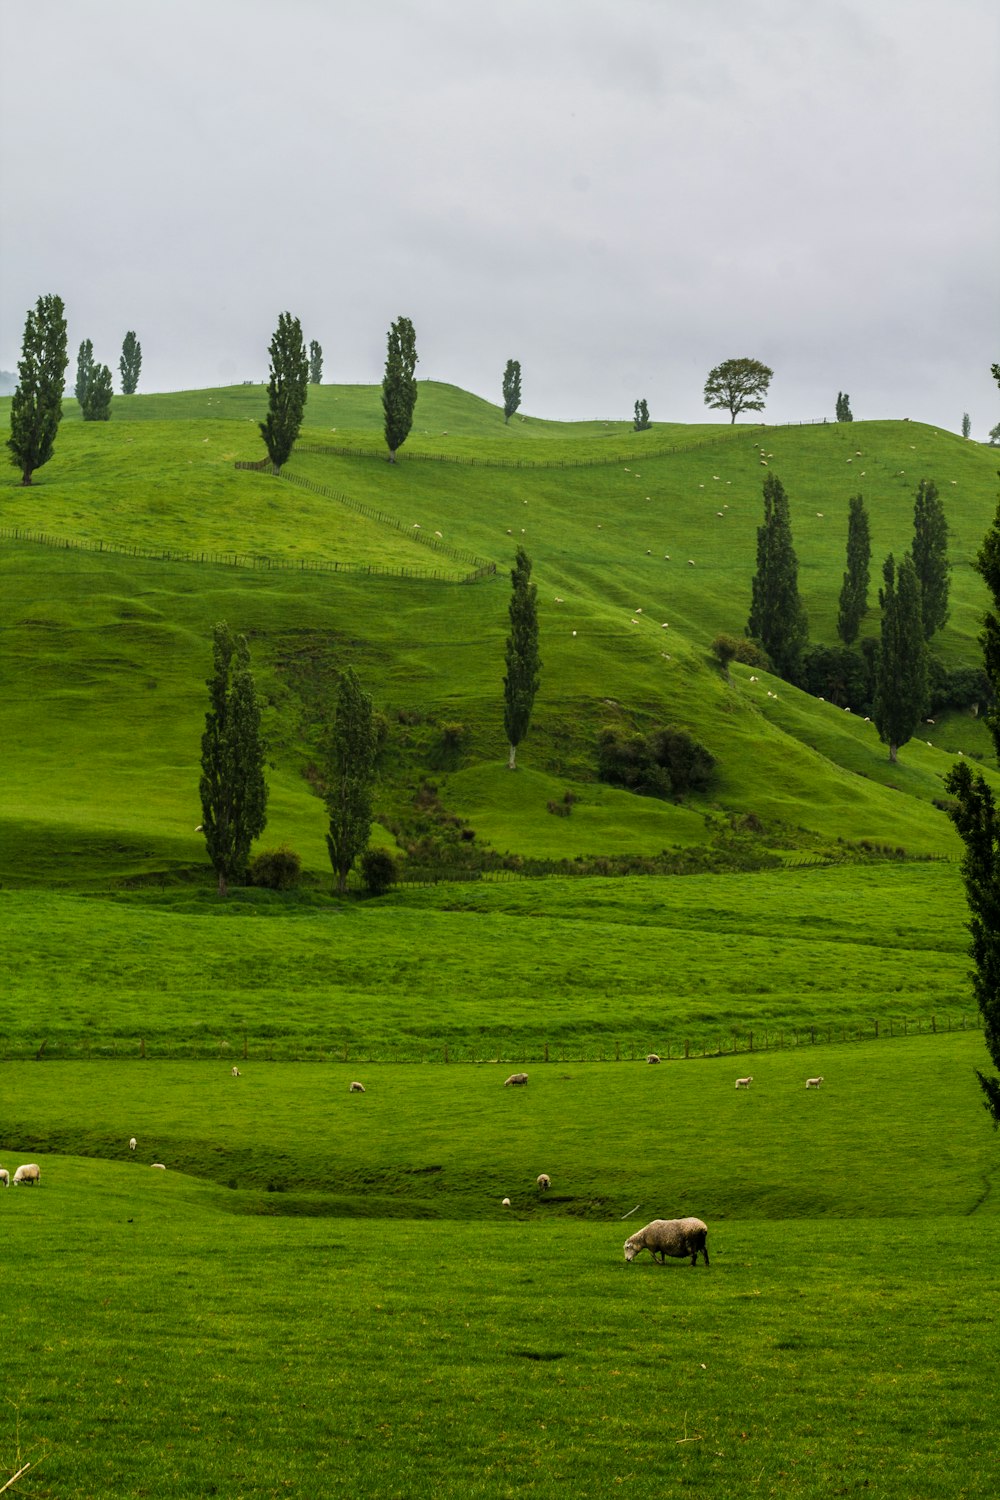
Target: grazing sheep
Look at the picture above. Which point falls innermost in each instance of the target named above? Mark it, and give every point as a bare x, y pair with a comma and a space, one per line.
356, 1088
132, 1144
236, 1073
505, 1203
813, 1083
543, 1182
158, 1166
27, 1175
652, 1057
744, 1083
516, 1080
4, 1176
674, 1237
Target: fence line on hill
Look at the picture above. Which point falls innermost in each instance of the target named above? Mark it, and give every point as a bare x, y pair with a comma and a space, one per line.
711, 1043
255, 562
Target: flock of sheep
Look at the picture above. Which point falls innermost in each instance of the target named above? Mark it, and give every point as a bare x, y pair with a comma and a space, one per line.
25, 1176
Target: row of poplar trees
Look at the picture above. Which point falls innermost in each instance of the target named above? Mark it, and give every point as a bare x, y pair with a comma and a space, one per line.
913, 599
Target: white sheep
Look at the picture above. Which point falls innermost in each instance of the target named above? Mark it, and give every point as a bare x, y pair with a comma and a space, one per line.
543, 1182
157, 1166
652, 1057
132, 1144
505, 1203
27, 1175
813, 1083
744, 1083
516, 1080
356, 1088
4, 1176
676, 1238
237, 1073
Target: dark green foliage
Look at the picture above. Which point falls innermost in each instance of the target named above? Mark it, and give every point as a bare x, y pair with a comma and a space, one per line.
960, 688
854, 592
844, 407
995, 372
84, 365
663, 763
378, 870
36, 405
988, 565
728, 648
511, 388
975, 817
275, 869
930, 556
315, 363
843, 677
900, 699
96, 403
966, 424
995, 435
286, 390
130, 363
349, 776
399, 386
738, 385
233, 789
641, 421
523, 665
777, 616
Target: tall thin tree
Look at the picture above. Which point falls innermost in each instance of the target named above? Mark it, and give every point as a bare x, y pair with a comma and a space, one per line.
777, 616
350, 776
900, 698
315, 363
233, 789
399, 385
523, 663
84, 365
511, 388
854, 591
96, 403
36, 405
930, 555
641, 420
130, 363
286, 389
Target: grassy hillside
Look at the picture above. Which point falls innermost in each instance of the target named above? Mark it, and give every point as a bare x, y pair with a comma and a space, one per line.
104, 657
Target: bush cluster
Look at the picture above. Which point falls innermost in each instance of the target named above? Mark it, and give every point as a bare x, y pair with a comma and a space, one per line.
665, 762
275, 869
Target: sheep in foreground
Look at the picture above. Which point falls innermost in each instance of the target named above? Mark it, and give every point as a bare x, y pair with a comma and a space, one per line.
516, 1080
543, 1181
813, 1083
27, 1175
132, 1143
4, 1176
652, 1057
744, 1083
669, 1237
356, 1088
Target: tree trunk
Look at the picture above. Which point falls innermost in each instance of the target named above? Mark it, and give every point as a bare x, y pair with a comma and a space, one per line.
511, 766
892, 752
223, 888
392, 455
26, 476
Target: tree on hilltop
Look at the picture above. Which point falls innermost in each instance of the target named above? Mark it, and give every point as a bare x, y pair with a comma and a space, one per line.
641, 420
96, 403
738, 385
900, 699
930, 555
286, 389
399, 386
315, 363
84, 365
130, 363
36, 405
777, 616
523, 665
511, 389
233, 789
844, 407
350, 776
854, 591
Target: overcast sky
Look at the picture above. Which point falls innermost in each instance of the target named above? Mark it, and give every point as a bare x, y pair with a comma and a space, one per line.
618, 193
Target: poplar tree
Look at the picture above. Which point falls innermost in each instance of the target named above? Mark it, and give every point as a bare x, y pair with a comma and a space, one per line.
96, 403
844, 407
975, 818
84, 365
36, 405
900, 699
777, 616
399, 386
511, 388
286, 389
315, 363
233, 788
930, 555
966, 424
523, 665
854, 591
130, 363
641, 420
350, 776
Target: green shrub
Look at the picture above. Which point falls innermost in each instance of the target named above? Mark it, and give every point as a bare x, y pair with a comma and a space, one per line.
841, 675
378, 871
666, 762
741, 648
275, 869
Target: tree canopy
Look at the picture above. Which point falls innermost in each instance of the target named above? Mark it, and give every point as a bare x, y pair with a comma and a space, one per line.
930, 556
511, 388
232, 787
130, 363
286, 390
738, 385
900, 699
36, 405
95, 405
854, 591
315, 363
777, 615
349, 776
399, 385
523, 664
